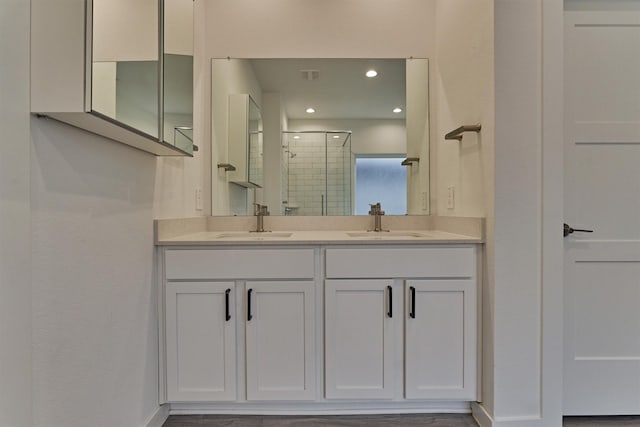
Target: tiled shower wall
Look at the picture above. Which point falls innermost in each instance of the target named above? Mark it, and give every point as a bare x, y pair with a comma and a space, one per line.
312, 181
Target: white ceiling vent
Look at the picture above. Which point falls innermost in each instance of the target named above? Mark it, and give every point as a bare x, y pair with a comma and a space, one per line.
310, 74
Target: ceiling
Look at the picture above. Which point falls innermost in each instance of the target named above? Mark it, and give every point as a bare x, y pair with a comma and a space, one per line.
340, 91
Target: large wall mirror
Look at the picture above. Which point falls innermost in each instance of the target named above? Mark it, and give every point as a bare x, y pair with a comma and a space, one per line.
339, 133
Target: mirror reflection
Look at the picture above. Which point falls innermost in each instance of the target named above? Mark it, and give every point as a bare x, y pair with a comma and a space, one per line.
126, 84
245, 141
323, 119
178, 74
125, 63
317, 173
255, 144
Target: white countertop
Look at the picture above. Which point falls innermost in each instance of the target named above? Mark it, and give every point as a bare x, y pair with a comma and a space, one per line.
283, 237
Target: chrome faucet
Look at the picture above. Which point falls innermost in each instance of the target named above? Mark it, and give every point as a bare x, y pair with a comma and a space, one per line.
260, 212
377, 212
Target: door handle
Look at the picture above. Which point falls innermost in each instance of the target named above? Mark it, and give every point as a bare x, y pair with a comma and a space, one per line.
569, 230
249, 316
390, 311
227, 316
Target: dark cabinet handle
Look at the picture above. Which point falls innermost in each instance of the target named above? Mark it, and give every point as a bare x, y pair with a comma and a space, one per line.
567, 229
412, 312
390, 310
226, 305
249, 316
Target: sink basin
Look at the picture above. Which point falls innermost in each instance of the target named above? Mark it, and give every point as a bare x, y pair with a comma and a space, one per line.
247, 235
381, 235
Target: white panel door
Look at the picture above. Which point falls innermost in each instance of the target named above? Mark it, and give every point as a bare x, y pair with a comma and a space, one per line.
200, 341
280, 326
440, 339
358, 339
602, 192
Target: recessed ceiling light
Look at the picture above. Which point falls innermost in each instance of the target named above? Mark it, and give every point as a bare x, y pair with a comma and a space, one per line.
311, 110
371, 73
296, 137
397, 110
336, 136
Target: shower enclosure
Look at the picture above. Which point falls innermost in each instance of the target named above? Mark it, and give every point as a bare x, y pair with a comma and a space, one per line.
317, 176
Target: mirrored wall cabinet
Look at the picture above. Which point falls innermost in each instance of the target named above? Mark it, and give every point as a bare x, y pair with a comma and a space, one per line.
120, 69
245, 141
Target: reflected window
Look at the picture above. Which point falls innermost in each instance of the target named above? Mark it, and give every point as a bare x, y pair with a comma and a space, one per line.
381, 179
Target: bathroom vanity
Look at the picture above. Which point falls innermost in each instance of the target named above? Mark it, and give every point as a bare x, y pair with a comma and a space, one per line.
332, 321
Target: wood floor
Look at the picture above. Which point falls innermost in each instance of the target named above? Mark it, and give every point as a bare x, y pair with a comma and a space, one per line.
431, 420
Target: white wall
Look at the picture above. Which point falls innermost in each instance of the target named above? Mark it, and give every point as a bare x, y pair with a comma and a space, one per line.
94, 321
463, 94
15, 254
320, 29
517, 320
94, 316
385, 136
522, 366
462, 76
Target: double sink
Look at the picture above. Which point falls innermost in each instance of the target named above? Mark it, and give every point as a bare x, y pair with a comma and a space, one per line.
356, 235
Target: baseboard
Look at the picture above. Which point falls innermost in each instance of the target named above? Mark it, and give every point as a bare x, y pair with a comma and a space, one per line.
324, 408
159, 417
481, 416
484, 419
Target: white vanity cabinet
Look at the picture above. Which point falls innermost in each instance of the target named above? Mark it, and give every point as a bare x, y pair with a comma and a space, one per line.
440, 339
280, 331
266, 327
438, 314
200, 341
359, 339
239, 324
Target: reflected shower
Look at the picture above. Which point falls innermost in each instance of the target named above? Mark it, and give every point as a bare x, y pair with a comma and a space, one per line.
317, 172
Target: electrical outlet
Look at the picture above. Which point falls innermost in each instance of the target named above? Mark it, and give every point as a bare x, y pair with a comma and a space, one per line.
198, 199
451, 197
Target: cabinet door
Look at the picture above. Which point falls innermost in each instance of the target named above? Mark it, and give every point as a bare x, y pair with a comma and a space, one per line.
200, 341
280, 333
358, 339
440, 339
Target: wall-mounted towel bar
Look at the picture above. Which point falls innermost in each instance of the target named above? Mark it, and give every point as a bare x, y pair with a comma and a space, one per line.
409, 161
226, 166
457, 133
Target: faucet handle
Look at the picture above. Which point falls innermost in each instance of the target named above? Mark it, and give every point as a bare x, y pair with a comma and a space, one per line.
376, 209
261, 209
